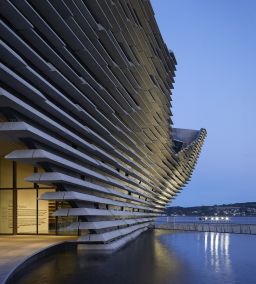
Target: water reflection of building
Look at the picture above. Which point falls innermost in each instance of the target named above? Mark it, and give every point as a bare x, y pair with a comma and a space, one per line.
167, 266
85, 120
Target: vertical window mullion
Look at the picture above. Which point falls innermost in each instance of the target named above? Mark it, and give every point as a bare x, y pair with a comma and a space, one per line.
36, 188
14, 204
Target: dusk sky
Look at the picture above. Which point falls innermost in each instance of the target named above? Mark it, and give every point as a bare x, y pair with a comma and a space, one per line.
214, 42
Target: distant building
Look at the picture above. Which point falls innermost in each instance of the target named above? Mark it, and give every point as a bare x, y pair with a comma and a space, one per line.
86, 139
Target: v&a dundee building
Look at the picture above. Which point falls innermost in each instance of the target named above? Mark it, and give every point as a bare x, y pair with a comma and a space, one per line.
87, 146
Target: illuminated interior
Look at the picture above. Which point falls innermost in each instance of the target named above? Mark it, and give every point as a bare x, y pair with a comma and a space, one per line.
20, 210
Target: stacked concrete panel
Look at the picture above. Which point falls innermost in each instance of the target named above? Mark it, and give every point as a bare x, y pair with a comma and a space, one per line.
85, 85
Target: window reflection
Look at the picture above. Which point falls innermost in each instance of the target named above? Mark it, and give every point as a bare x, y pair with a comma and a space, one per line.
46, 221
64, 222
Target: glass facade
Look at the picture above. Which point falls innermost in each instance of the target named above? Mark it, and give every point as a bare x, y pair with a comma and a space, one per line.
46, 222
6, 173
21, 212
6, 212
26, 211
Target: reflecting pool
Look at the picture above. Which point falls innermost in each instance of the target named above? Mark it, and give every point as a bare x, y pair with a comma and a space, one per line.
156, 257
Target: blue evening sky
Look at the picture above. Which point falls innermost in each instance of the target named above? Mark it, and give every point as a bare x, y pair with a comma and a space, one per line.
215, 45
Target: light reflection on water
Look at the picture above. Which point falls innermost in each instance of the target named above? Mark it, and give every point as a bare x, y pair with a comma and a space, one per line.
216, 248
157, 257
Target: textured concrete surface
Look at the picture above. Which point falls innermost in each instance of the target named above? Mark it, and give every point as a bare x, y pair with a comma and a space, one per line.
14, 249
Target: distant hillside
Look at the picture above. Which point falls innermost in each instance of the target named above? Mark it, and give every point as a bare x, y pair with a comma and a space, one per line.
236, 209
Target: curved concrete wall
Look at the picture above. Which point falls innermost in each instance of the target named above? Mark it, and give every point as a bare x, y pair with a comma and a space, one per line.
86, 86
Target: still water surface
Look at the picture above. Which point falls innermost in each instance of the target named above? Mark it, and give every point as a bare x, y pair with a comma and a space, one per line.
157, 257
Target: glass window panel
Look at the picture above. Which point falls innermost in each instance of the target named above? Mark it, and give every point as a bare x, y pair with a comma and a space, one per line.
6, 212
41, 170
24, 171
46, 222
26, 211
3, 118
5, 173
65, 222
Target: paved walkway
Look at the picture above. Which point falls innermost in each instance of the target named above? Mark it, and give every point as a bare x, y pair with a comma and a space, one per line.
13, 249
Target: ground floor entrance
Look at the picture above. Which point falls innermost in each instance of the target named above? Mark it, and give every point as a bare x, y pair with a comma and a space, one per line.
21, 210
22, 213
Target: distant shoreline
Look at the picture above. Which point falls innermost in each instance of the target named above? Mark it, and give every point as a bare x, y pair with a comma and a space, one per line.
209, 216
247, 209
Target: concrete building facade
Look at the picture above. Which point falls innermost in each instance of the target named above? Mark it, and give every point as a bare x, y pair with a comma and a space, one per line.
87, 145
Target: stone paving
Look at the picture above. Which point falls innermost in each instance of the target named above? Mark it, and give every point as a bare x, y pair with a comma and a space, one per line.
13, 249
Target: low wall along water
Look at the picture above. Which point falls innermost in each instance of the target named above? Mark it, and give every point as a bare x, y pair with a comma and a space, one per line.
209, 227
